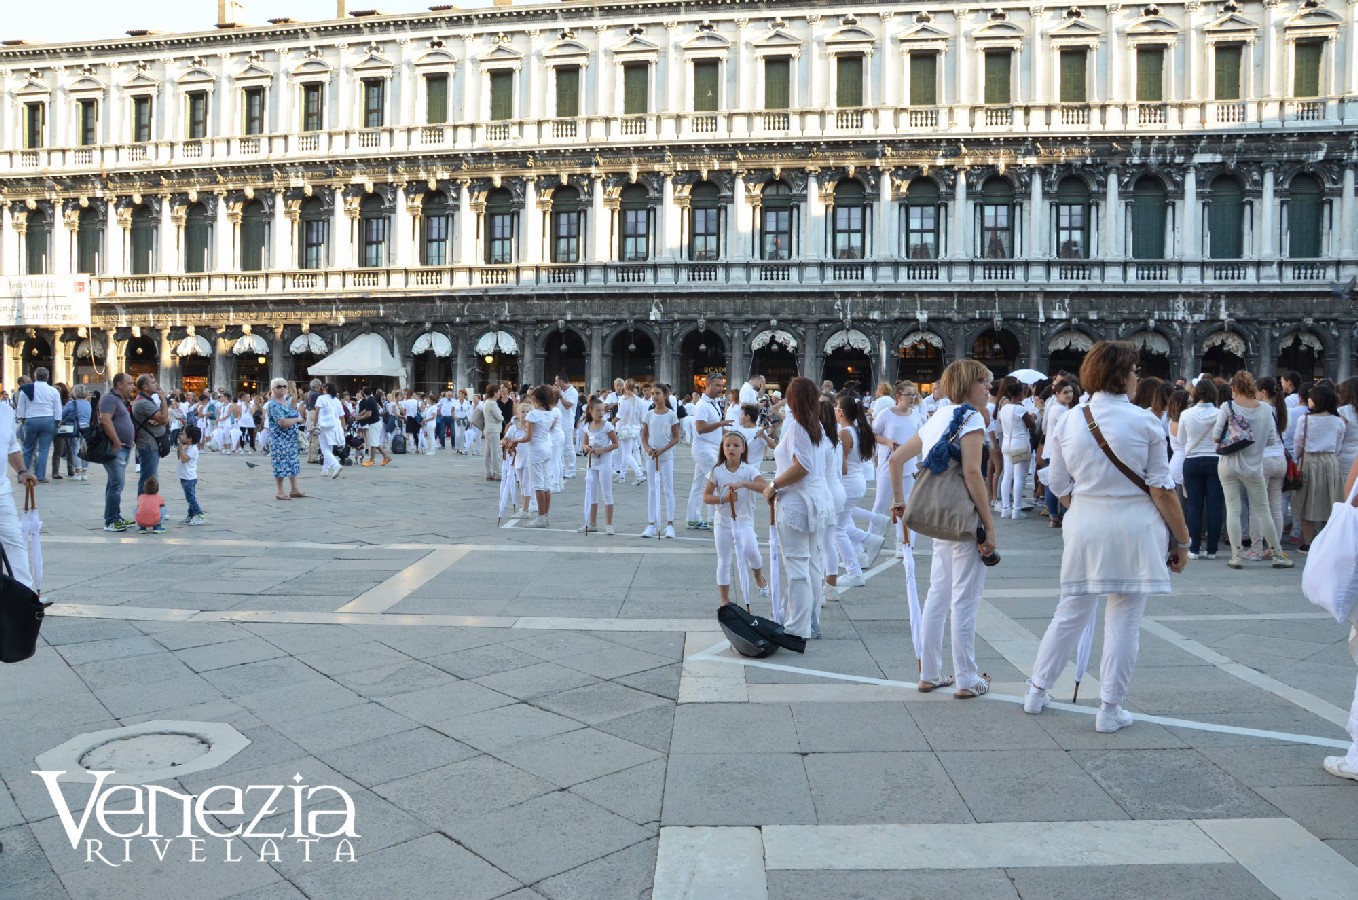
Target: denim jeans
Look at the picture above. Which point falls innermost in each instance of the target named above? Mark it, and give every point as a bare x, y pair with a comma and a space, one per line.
149, 460
38, 434
190, 486
444, 430
116, 469
1206, 502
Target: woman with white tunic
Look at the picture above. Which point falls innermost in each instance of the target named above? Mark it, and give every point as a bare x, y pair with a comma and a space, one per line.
855, 452
802, 504
599, 440
892, 426
956, 575
1206, 503
515, 431
1016, 449
537, 435
659, 434
731, 486
1274, 469
429, 413
1119, 528
757, 438
631, 410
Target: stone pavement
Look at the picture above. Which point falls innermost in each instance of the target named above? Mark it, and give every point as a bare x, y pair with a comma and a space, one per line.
523, 713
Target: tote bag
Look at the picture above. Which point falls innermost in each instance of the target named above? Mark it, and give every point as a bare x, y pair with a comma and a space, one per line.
21, 614
1330, 579
940, 505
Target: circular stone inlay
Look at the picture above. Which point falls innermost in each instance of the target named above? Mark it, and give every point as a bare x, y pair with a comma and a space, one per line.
146, 752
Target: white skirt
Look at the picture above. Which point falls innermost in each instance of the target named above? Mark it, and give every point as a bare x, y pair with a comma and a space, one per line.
1114, 545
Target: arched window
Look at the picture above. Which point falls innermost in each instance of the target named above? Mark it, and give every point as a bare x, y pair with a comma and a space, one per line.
197, 238
996, 215
777, 215
373, 226
37, 241
254, 237
89, 242
1226, 218
634, 224
568, 220
142, 241
501, 225
1305, 211
849, 230
921, 219
1149, 202
1072, 218
436, 229
704, 228
314, 226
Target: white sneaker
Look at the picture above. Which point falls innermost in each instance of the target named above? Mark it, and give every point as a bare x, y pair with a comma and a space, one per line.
650, 532
830, 592
1210, 556
608, 530
1340, 767
872, 545
1192, 555
669, 531
539, 522
640, 479
997, 506
1017, 514
764, 591
1108, 722
1036, 699
863, 561
586, 529
852, 579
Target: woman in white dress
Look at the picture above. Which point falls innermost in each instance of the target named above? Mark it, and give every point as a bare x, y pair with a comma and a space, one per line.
855, 447
1318, 443
599, 440
956, 575
631, 410
558, 444
1124, 531
537, 435
892, 427
803, 505
429, 413
834, 479
659, 434
1016, 448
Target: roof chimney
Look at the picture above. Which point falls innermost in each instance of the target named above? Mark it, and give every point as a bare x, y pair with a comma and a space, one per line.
341, 9
227, 10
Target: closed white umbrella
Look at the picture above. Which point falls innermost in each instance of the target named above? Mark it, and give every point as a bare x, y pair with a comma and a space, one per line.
736, 556
509, 486
912, 599
30, 528
1083, 651
775, 560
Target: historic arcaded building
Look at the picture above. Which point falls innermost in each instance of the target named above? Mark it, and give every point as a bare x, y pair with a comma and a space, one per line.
663, 189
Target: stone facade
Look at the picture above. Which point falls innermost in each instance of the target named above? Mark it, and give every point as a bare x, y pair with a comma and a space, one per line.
855, 192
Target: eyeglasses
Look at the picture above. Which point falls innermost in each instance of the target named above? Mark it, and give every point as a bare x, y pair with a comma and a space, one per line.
909, 396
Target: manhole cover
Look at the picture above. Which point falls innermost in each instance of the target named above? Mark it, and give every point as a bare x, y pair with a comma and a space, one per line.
146, 752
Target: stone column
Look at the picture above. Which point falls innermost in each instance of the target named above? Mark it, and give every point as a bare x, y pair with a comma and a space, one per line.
61, 371
811, 356
167, 243
741, 225
531, 251
1036, 244
7, 373
466, 226
886, 211
600, 224
221, 377
1112, 220
1192, 241
1266, 219
114, 242
1346, 342
958, 95
223, 257
281, 253
594, 364
1346, 211
113, 364
276, 354
401, 239
670, 232
342, 233
813, 243
738, 370
169, 367
664, 356
1268, 361
959, 231
11, 256
63, 235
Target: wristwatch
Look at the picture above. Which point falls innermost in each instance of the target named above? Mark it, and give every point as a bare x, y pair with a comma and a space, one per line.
1183, 546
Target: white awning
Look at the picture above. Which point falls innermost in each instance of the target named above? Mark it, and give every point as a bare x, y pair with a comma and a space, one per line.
1151, 342
250, 343
308, 343
1306, 339
193, 345
1076, 341
926, 337
433, 340
769, 337
850, 338
92, 351
497, 342
367, 354
1231, 343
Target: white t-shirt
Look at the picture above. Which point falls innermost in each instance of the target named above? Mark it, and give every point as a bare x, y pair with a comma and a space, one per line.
657, 428
445, 406
748, 394
572, 397
896, 428
329, 411
934, 429
631, 410
707, 413
755, 445
721, 476
880, 404
188, 471
597, 440
541, 441
1015, 432
410, 407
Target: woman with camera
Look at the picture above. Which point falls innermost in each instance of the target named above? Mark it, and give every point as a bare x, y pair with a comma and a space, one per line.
1124, 530
957, 574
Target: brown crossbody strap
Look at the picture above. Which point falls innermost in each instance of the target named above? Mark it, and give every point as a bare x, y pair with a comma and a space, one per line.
1108, 452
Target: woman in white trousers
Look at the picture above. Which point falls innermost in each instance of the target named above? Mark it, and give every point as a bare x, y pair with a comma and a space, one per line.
956, 575
803, 506
1345, 766
1123, 533
10, 536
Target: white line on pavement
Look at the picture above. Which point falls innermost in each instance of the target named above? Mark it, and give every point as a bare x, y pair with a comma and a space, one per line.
401, 585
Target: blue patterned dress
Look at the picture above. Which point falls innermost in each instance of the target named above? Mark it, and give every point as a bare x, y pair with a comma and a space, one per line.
282, 441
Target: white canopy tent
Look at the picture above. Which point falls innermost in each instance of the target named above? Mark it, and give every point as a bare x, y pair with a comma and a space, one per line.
367, 354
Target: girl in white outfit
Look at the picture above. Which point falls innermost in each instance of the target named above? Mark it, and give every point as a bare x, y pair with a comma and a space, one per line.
834, 479
757, 437
956, 575
893, 426
538, 436
659, 434
515, 430
855, 452
729, 487
803, 506
558, 446
599, 439
631, 411
428, 421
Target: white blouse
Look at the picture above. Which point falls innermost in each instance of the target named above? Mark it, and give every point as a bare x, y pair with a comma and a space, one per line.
807, 504
1134, 435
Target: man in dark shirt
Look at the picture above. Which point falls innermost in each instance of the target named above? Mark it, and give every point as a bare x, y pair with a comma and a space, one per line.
506, 405
116, 421
370, 417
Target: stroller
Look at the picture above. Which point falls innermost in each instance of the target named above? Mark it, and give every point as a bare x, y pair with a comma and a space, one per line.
353, 440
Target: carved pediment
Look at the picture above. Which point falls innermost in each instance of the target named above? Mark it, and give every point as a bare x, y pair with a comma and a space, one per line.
637, 45
1313, 15
501, 54
312, 66
923, 31
566, 49
707, 40
197, 77
850, 34
1149, 26
778, 40
141, 82
999, 30
1232, 23
1076, 28
86, 84
253, 71
33, 87
438, 57
374, 63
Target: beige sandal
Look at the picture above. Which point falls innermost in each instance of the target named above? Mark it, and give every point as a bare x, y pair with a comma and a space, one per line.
927, 687
976, 690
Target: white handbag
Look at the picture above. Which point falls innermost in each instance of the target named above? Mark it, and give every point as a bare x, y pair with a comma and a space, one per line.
1330, 579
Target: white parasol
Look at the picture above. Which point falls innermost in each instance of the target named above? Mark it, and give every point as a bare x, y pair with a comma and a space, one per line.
1028, 376
1082, 652
912, 598
509, 486
30, 528
737, 561
775, 560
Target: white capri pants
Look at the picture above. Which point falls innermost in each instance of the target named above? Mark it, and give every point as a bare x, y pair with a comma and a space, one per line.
661, 483
627, 458
956, 580
742, 540
1012, 480
329, 438
598, 485
801, 559
1353, 730
1121, 641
